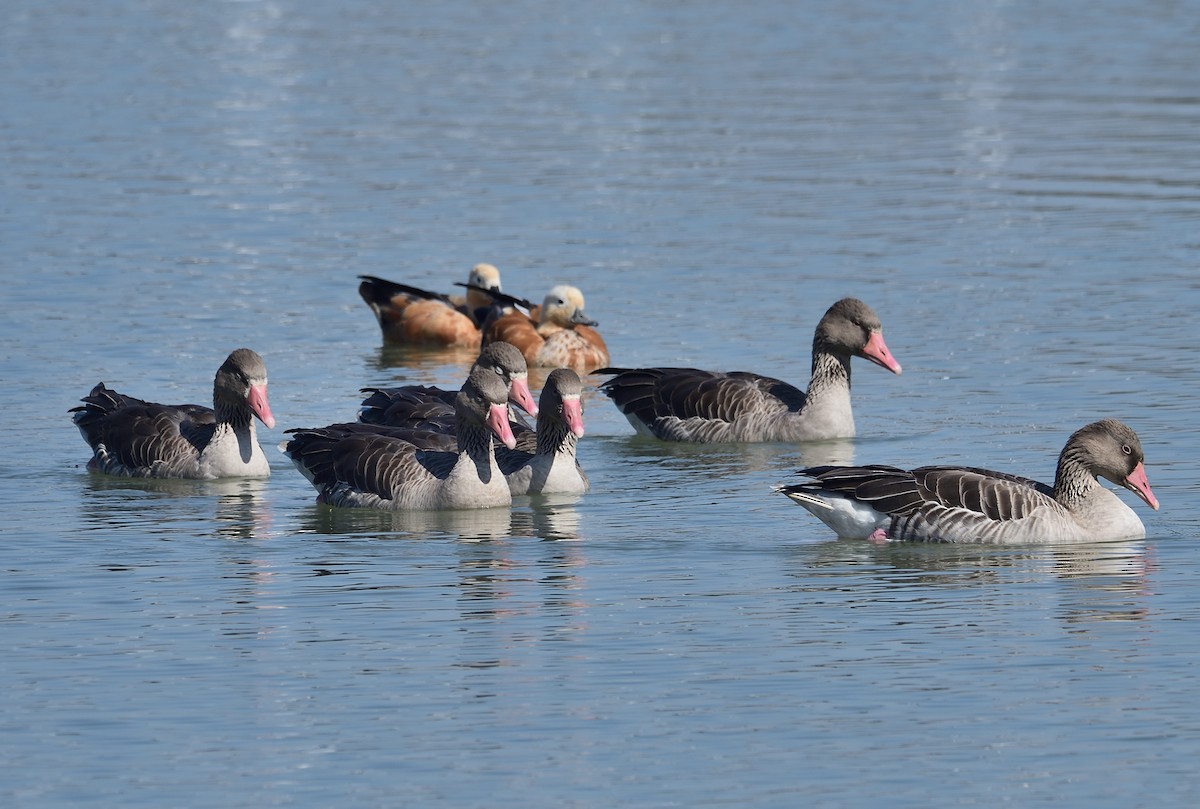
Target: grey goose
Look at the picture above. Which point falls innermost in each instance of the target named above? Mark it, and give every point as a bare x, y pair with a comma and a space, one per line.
136, 438
969, 504
373, 466
688, 404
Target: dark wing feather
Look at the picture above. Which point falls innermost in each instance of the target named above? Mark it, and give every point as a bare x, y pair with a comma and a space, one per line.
411, 406
368, 463
423, 408
367, 458
792, 397
702, 394
512, 460
499, 297
994, 495
886, 488
381, 291
654, 393
140, 434
633, 391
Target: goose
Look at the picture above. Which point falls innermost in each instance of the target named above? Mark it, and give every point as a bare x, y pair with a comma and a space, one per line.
968, 504
395, 406
371, 466
543, 460
556, 335
415, 316
687, 404
134, 438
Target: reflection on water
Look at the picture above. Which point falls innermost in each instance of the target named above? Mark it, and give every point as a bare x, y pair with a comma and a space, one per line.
513, 596
548, 517
236, 508
469, 525
427, 366
1104, 582
1092, 582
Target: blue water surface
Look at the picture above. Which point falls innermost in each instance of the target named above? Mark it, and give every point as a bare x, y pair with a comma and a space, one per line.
1013, 186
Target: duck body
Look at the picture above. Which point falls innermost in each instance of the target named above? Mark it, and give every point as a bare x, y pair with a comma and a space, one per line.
130, 437
971, 504
558, 334
412, 316
689, 404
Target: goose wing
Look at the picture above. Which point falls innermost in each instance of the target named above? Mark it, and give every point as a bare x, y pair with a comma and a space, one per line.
144, 437
992, 496
411, 406
686, 393
996, 496
376, 461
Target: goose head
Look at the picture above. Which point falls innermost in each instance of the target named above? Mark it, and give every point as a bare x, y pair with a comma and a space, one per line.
484, 400
851, 328
1111, 450
241, 382
506, 360
561, 398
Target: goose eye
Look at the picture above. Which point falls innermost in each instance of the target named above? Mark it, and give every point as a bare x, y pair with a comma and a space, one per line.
1126, 449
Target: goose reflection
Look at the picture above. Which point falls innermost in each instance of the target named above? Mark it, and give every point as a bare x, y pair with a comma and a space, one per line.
243, 511
157, 505
522, 592
427, 365
467, 525
1103, 581
549, 517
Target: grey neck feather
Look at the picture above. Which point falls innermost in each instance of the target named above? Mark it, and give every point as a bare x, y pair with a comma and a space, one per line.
236, 417
236, 414
553, 437
475, 442
829, 371
1073, 480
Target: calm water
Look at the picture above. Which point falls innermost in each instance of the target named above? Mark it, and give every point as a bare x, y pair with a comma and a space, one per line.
1015, 188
